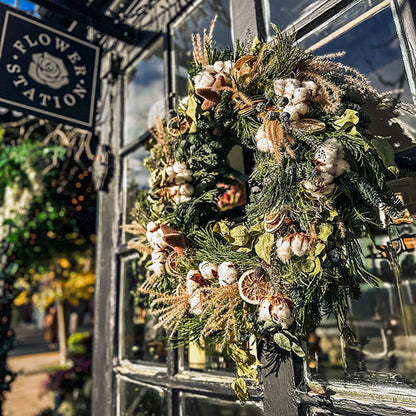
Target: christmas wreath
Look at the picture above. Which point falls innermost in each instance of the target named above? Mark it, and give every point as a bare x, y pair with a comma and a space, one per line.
319, 179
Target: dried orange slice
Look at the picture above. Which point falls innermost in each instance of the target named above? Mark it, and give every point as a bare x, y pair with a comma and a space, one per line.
309, 125
253, 288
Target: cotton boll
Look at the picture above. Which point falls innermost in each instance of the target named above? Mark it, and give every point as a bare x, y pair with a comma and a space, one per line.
279, 87
208, 270
228, 66
289, 91
227, 273
300, 95
186, 190
283, 249
282, 314
170, 173
264, 311
179, 167
311, 86
203, 80
196, 302
159, 256
158, 268
265, 145
340, 166
292, 111
261, 134
293, 82
194, 280
187, 172
323, 179
183, 198
302, 108
299, 245
180, 179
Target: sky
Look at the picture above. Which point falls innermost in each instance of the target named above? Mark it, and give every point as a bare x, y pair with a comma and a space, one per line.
22, 4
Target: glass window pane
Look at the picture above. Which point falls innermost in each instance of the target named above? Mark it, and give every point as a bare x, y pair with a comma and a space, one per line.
367, 34
285, 13
136, 178
144, 93
139, 339
136, 399
195, 22
203, 406
384, 317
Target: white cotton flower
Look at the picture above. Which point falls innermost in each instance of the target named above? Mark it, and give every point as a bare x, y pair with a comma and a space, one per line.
183, 198
279, 87
222, 67
152, 226
292, 82
228, 66
283, 249
196, 302
159, 256
186, 190
179, 167
208, 270
281, 314
261, 134
292, 111
158, 268
264, 311
203, 80
193, 281
302, 108
227, 273
265, 145
299, 245
310, 86
340, 166
182, 178
170, 173
300, 95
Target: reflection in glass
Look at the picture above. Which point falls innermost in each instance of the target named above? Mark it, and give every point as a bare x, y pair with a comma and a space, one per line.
384, 318
370, 43
139, 340
195, 22
207, 357
144, 93
136, 399
136, 179
203, 406
284, 13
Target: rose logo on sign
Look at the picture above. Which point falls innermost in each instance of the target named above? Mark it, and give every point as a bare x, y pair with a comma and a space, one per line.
48, 70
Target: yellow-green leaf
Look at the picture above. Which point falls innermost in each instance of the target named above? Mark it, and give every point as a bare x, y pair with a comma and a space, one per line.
282, 341
258, 227
386, 154
263, 246
318, 248
332, 214
222, 228
347, 121
191, 107
297, 349
317, 268
239, 235
308, 265
239, 385
325, 230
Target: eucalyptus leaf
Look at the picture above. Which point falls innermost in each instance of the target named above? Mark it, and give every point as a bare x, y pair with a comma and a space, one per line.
263, 246
239, 235
297, 349
239, 385
308, 265
318, 248
386, 154
282, 341
325, 230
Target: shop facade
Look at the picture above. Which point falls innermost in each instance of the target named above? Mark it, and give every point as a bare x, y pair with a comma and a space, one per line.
134, 372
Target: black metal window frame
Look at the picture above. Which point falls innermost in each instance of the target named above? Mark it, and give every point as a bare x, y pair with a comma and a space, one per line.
291, 380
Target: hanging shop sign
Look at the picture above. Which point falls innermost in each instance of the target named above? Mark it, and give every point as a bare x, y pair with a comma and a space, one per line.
46, 72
